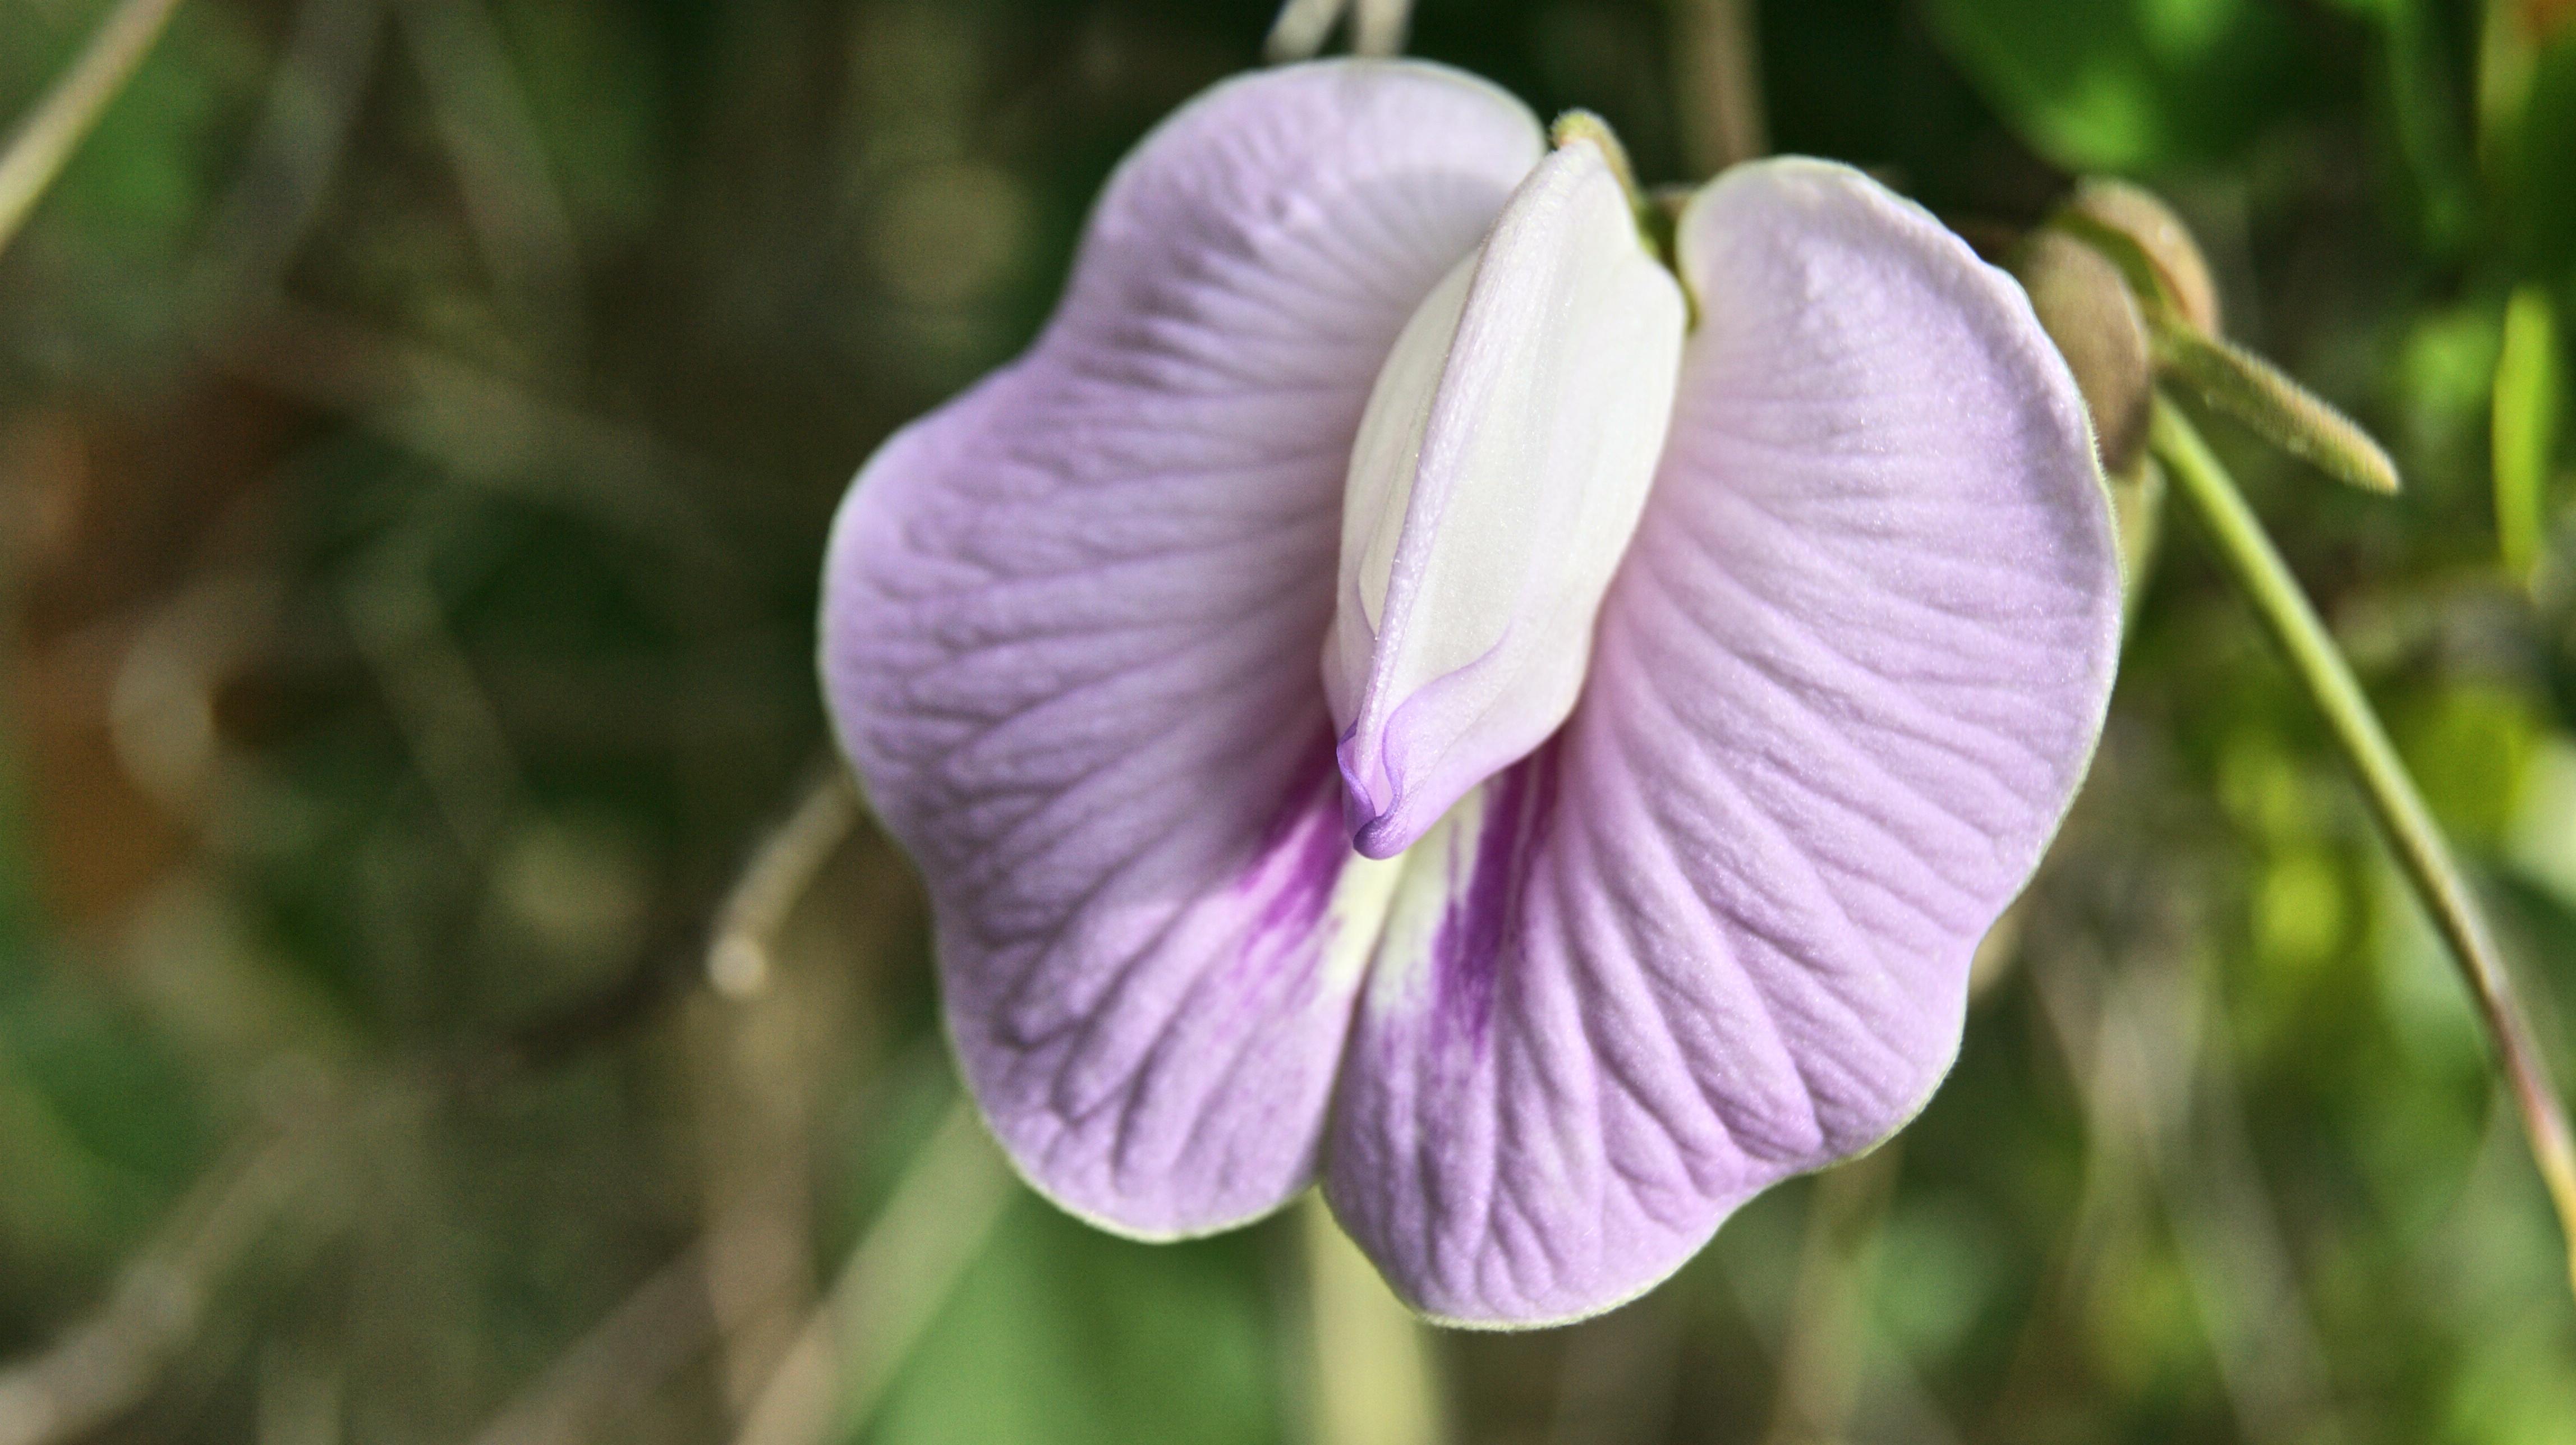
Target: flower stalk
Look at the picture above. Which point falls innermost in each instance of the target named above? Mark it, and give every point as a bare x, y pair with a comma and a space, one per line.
2259, 572
44, 144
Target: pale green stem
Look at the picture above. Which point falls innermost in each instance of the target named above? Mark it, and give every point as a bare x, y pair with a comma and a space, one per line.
36, 154
1376, 1371
2258, 570
2524, 425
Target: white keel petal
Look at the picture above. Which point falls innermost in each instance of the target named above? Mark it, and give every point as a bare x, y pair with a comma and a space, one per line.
1498, 474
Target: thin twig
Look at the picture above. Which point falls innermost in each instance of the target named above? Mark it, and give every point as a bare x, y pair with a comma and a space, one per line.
1822, 1364
38, 152
2319, 665
1378, 27
650, 1337
1718, 77
103, 1366
521, 222
1901, 1405
2159, 1081
483, 427
1615, 1382
1302, 28
903, 1269
751, 1070
277, 195
458, 745
738, 959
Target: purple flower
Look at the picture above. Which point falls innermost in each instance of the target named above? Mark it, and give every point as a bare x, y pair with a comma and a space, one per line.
1387, 690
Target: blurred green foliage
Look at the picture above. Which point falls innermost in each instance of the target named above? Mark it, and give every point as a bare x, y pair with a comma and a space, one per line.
419, 418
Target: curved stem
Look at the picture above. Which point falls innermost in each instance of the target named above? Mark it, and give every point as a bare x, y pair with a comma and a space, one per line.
37, 153
2319, 665
777, 879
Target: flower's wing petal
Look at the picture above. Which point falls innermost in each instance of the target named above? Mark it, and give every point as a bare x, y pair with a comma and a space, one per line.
1071, 631
1717, 932
1500, 469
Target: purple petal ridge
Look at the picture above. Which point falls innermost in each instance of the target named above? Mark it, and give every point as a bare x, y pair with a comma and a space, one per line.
1070, 630
1717, 931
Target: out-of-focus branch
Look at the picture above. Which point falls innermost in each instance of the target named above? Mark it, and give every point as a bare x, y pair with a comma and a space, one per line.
312, 105
457, 742
1820, 1357
2164, 1118
780, 873
45, 142
104, 1365
902, 1270
1717, 82
1616, 1382
485, 428
521, 222
1900, 1405
1377, 27
659, 1329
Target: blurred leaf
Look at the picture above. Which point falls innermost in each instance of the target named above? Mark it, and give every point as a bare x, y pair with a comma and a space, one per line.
2125, 85
2421, 998
2511, 1390
100, 266
2299, 910
2539, 173
1937, 1270
2542, 846
2468, 745
2445, 375
2526, 427
591, 85
163, 148
1062, 1335
96, 1127
17, 859
2424, 111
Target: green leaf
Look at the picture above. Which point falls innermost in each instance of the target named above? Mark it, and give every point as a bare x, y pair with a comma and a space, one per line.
2124, 85
2526, 426
1063, 1335
2537, 165
2424, 117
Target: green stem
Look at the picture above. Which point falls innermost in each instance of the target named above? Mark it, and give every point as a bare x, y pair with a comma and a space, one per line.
37, 153
2319, 665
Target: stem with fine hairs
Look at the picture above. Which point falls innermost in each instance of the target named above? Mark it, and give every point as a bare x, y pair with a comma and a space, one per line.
2256, 566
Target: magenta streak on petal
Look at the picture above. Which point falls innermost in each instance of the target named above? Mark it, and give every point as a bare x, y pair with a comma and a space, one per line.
1298, 873
1467, 953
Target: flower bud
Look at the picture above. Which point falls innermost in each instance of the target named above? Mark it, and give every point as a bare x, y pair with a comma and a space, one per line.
2137, 214
2087, 309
